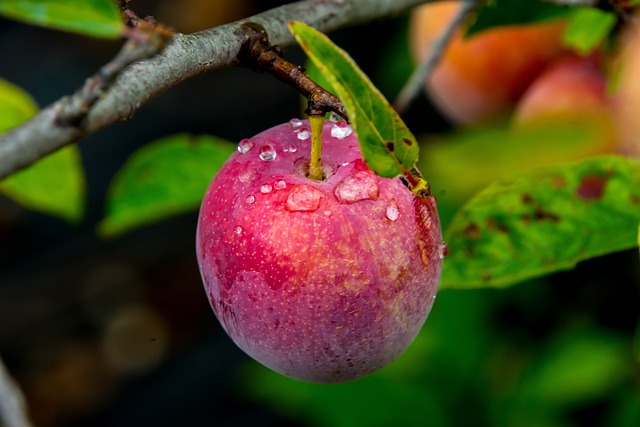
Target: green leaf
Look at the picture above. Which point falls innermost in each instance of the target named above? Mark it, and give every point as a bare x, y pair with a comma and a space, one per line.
54, 185
388, 146
165, 178
577, 368
588, 28
514, 12
544, 221
96, 18
16, 106
452, 163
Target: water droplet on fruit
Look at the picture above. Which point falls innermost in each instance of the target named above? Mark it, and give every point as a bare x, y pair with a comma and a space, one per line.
341, 130
392, 212
238, 230
344, 164
327, 213
267, 153
295, 123
362, 185
245, 145
304, 134
280, 185
303, 198
266, 188
246, 176
443, 250
293, 148
250, 199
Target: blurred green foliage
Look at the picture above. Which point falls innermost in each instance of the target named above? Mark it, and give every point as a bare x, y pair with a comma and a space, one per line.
96, 18
54, 185
164, 178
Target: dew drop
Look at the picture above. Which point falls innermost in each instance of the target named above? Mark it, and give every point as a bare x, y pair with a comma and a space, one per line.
266, 188
238, 230
280, 185
245, 145
341, 130
267, 153
303, 198
392, 213
443, 250
246, 176
295, 123
362, 185
327, 213
344, 164
304, 134
293, 148
250, 199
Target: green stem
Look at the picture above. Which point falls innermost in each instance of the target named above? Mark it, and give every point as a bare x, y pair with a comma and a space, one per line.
315, 166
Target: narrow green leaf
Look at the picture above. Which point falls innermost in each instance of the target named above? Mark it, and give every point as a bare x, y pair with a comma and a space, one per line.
515, 12
388, 146
544, 221
165, 178
588, 28
96, 18
54, 185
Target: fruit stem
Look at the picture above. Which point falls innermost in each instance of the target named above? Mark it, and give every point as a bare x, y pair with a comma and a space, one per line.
315, 166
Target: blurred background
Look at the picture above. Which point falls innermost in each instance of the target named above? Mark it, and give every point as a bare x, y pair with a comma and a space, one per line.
119, 332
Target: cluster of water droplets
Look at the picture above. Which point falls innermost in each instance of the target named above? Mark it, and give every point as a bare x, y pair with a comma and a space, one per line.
290, 149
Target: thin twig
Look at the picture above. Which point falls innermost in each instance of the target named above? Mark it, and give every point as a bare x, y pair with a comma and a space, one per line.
435, 51
13, 410
257, 54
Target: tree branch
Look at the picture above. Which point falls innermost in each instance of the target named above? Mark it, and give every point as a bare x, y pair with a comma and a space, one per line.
184, 57
436, 49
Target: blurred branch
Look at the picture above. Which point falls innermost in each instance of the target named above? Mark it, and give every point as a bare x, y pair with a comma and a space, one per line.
435, 51
13, 410
185, 56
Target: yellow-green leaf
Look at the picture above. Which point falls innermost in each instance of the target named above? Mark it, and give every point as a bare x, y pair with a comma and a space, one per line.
96, 18
165, 178
54, 185
388, 147
588, 28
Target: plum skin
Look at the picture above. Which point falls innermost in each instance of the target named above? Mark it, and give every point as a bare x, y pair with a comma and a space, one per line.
322, 281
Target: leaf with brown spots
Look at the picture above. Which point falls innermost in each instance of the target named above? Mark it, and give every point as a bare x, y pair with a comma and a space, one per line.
530, 226
389, 148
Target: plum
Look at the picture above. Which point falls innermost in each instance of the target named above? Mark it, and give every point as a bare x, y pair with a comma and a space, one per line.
323, 281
